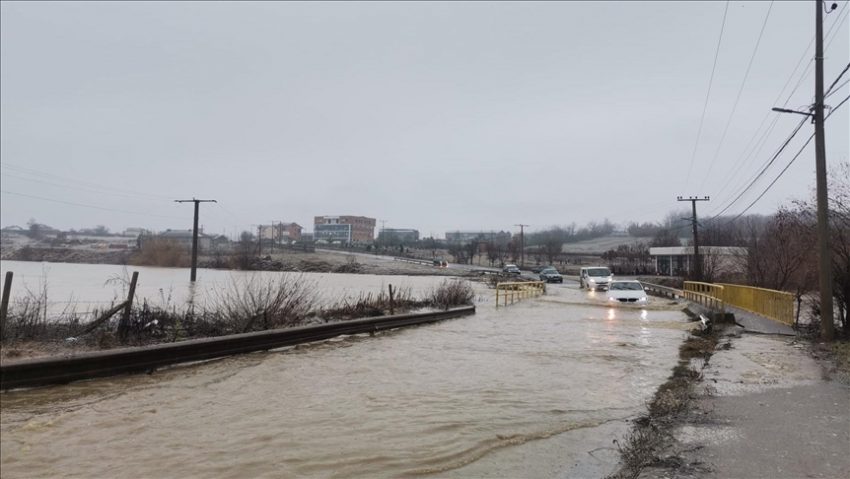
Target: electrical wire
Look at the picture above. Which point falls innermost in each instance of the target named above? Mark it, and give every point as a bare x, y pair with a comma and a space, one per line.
738, 96
764, 169
745, 160
835, 27
89, 206
829, 90
89, 184
708, 93
788, 165
837, 89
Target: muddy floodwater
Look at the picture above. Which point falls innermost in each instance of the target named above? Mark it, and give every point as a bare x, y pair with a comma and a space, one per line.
88, 286
533, 389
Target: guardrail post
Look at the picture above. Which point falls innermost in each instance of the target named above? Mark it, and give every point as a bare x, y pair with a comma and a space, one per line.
4, 305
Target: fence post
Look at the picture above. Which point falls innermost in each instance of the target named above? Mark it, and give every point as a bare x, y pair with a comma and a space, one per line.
124, 325
4, 305
392, 308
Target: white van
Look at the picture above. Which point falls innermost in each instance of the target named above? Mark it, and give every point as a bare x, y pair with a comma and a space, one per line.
595, 277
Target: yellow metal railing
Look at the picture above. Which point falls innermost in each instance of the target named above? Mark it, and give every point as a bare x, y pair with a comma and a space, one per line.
518, 290
776, 305
707, 294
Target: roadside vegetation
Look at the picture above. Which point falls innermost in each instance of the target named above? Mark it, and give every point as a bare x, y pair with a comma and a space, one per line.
239, 307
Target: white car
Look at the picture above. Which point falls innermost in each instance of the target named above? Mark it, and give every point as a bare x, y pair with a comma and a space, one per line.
626, 292
595, 277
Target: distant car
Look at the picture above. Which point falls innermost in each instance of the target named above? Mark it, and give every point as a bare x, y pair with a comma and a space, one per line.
623, 291
511, 269
595, 277
551, 275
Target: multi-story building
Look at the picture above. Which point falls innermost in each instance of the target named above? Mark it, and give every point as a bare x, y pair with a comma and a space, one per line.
347, 229
398, 235
500, 237
280, 232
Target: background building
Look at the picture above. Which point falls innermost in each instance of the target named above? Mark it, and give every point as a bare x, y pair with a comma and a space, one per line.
460, 237
398, 236
348, 229
280, 232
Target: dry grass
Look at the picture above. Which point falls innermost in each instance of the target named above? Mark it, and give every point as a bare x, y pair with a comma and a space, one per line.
252, 304
161, 252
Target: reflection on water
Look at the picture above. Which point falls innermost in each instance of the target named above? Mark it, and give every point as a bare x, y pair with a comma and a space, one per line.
428, 399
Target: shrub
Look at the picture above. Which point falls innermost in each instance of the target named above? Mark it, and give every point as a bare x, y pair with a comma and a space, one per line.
452, 293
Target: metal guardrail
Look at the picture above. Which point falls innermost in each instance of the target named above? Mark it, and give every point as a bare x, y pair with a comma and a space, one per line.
776, 305
414, 260
705, 294
516, 290
660, 290
40, 372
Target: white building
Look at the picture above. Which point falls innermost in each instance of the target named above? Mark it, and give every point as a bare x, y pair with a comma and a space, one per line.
678, 260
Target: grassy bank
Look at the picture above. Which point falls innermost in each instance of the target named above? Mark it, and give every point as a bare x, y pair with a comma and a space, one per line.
242, 306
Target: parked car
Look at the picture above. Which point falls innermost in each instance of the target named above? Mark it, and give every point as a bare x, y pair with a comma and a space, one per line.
626, 291
551, 275
511, 269
595, 277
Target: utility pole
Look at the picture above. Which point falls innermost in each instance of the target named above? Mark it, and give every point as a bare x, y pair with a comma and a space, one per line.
697, 259
824, 249
194, 273
521, 244
259, 240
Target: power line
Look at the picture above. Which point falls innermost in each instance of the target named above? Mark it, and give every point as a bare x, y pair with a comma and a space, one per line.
756, 150
837, 89
828, 90
770, 162
836, 26
708, 93
87, 206
788, 165
764, 169
89, 184
738, 96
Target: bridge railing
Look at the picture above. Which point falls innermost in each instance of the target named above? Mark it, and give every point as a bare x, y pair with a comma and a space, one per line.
517, 290
776, 305
706, 294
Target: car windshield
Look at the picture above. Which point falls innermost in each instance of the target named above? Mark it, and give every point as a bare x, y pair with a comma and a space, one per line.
630, 286
599, 272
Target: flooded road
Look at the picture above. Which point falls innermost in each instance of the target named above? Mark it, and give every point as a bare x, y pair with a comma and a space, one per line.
453, 399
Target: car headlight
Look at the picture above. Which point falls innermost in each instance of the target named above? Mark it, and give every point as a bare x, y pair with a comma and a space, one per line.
592, 280
611, 298
641, 300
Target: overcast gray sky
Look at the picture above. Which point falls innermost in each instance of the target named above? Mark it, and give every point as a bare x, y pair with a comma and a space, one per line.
435, 116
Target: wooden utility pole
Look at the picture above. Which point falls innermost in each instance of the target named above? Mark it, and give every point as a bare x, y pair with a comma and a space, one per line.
697, 259
194, 272
521, 244
824, 249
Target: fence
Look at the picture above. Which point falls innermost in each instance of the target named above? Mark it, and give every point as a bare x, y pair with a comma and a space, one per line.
776, 305
705, 294
519, 290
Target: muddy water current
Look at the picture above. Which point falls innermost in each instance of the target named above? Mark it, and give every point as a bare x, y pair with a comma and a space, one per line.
451, 399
